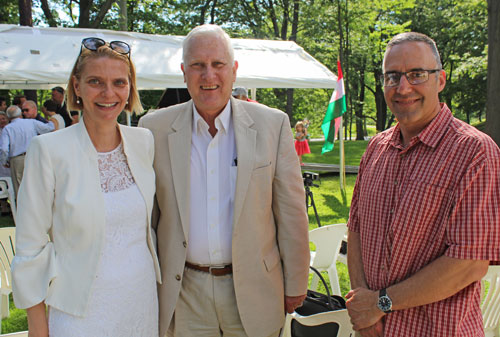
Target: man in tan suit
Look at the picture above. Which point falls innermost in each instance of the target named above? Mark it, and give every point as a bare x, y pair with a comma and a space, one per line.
231, 219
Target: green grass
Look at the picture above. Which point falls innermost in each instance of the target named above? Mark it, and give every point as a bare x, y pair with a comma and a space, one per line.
17, 320
353, 151
331, 203
333, 207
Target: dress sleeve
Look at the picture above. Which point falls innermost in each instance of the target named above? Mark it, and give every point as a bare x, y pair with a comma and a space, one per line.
34, 267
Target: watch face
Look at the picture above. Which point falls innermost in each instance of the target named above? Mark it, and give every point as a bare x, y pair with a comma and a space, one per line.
384, 303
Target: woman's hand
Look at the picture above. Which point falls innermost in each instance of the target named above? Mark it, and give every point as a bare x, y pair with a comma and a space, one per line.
37, 321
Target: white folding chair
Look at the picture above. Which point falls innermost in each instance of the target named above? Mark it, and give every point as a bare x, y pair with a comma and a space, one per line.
340, 317
16, 334
327, 240
7, 252
490, 305
7, 191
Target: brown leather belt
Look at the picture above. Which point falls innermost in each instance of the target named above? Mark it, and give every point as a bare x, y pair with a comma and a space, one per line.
215, 271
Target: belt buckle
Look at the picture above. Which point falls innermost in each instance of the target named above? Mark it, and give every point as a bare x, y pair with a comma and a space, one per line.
210, 268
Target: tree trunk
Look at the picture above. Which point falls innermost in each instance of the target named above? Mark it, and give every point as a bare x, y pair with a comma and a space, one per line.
84, 18
380, 102
48, 14
289, 103
493, 82
360, 134
212, 12
25, 13
25, 19
123, 19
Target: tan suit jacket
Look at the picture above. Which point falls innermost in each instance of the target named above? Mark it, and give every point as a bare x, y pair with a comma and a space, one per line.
270, 249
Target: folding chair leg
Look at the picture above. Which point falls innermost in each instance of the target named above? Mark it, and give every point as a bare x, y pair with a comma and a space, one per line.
314, 282
4, 306
334, 279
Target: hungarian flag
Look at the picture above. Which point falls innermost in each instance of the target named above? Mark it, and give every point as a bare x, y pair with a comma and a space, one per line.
336, 109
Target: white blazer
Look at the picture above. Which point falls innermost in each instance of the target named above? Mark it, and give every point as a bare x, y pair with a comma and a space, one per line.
60, 195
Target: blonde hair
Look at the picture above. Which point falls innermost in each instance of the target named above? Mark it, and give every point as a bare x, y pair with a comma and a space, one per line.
134, 102
301, 124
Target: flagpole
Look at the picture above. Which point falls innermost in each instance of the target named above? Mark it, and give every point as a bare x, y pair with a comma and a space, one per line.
341, 156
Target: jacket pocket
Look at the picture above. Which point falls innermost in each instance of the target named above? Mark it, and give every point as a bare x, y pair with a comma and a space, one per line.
272, 259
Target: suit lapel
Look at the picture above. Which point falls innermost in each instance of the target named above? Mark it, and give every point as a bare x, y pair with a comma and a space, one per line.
245, 146
179, 145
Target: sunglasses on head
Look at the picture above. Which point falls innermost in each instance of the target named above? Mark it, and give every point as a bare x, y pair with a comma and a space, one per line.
94, 43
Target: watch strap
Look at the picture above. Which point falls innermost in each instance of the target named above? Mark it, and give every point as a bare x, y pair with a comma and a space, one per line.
383, 293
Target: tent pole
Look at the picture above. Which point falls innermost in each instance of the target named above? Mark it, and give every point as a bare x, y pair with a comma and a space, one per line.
253, 93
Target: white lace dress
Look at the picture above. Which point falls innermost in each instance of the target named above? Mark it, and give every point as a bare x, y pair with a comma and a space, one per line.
123, 301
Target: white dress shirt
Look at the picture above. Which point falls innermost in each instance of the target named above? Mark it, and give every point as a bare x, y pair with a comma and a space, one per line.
17, 135
213, 181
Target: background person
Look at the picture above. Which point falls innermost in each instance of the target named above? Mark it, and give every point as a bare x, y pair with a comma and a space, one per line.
30, 111
231, 220
4, 171
4, 120
19, 100
3, 104
49, 109
16, 137
301, 144
424, 220
242, 93
58, 97
94, 196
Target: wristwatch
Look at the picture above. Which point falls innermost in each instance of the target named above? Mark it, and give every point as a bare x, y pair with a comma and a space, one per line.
384, 301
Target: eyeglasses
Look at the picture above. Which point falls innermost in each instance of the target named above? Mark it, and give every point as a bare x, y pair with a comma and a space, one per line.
94, 43
25, 110
414, 77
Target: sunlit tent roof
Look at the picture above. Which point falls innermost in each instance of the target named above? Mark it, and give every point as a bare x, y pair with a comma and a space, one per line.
41, 58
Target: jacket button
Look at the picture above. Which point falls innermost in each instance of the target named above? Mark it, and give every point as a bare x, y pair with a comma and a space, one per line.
184, 244
178, 277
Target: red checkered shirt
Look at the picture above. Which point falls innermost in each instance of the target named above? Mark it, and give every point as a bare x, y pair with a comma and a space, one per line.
438, 196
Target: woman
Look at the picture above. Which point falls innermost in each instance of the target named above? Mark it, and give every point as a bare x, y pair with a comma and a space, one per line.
94, 197
49, 110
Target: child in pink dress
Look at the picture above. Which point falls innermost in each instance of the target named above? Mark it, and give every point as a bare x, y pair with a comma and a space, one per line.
301, 144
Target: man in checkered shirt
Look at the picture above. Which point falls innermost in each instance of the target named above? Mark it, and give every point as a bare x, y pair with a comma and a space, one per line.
425, 222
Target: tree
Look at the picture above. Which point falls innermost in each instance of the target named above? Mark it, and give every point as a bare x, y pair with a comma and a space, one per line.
25, 18
493, 104
9, 12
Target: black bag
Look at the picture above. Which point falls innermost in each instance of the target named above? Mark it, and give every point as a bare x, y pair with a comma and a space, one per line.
316, 303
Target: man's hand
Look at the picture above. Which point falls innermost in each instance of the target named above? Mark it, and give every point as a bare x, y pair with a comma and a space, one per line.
293, 302
376, 330
362, 308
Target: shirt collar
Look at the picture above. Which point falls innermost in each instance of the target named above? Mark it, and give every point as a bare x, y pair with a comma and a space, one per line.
431, 134
221, 121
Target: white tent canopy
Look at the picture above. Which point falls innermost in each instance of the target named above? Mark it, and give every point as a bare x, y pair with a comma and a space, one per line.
41, 58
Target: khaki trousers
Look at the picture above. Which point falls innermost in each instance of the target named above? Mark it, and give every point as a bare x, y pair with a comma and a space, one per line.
16, 171
207, 307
